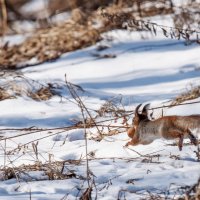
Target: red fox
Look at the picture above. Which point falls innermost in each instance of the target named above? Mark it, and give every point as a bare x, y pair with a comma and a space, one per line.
145, 131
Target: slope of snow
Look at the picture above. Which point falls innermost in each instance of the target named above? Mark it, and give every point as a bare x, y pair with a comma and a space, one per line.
154, 70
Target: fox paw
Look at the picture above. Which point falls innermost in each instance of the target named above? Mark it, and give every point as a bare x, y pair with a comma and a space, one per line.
180, 147
126, 145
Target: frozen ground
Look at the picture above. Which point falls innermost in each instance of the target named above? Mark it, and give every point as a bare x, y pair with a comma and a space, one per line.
151, 70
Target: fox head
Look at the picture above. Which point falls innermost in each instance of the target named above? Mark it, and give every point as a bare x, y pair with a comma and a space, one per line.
140, 117
137, 119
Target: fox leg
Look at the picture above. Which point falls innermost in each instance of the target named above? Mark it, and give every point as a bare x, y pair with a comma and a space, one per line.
192, 138
133, 142
176, 134
180, 142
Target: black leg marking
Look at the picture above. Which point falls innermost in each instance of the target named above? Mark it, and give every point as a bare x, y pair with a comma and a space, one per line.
193, 139
180, 143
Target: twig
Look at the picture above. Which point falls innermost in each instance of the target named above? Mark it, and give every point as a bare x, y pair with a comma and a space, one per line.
86, 147
129, 21
4, 16
80, 102
78, 125
145, 155
13, 168
41, 138
88, 191
5, 153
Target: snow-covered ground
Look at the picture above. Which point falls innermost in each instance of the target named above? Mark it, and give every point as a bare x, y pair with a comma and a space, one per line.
153, 70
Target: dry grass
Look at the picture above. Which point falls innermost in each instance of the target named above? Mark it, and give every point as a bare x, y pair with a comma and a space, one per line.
180, 193
192, 93
43, 94
49, 44
5, 95
49, 171
83, 29
14, 84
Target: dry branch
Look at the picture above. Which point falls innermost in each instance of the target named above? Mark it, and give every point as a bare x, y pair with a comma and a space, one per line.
129, 21
82, 106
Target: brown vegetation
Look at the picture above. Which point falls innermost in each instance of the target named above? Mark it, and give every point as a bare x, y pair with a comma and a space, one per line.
83, 29
44, 93
192, 93
48, 45
4, 94
15, 84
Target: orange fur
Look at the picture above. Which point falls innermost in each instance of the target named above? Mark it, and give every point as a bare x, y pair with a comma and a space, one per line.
131, 132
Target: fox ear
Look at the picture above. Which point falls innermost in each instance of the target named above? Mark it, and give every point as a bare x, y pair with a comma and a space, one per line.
136, 110
144, 110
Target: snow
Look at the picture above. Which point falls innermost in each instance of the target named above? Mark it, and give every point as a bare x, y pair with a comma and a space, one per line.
153, 70
17, 39
34, 6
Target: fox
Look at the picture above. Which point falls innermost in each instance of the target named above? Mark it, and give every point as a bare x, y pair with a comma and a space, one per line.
145, 131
